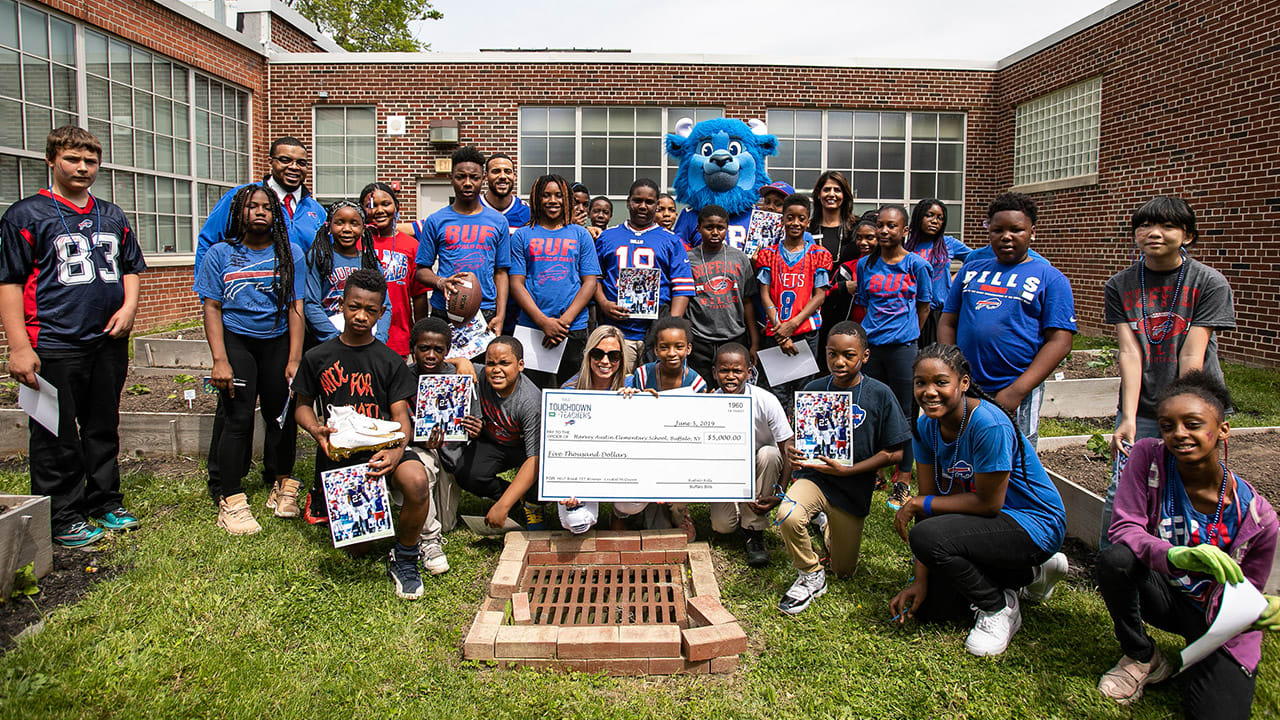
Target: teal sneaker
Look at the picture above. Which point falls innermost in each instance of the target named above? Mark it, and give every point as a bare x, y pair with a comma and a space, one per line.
78, 535
118, 520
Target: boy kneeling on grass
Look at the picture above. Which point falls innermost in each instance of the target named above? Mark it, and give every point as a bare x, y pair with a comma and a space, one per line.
357, 371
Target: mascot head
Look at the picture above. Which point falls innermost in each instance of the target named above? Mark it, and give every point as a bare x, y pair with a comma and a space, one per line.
721, 162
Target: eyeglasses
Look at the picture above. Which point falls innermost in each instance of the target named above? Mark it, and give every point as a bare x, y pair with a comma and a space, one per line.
597, 354
287, 161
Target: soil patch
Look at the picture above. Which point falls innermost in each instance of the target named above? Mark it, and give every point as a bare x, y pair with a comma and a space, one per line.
1078, 366
146, 392
1252, 457
73, 573
192, 333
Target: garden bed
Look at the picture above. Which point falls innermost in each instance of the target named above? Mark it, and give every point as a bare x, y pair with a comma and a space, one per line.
146, 391
184, 348
1083, 364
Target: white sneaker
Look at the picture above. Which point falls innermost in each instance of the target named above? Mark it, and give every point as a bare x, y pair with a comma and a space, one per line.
353, 432
993, 630
1047, 576
808, 585
433, 558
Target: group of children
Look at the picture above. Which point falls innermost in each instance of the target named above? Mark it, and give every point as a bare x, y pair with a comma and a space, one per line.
335, 303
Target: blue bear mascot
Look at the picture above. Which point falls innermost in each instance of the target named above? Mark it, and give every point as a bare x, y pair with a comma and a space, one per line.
721, 163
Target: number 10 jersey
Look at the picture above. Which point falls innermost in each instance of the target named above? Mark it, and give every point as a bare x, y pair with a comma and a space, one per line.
71, 262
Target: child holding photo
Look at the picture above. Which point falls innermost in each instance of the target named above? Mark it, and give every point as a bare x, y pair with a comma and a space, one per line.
1185, 525
251, 285
843, 492
357, 371
1166, 309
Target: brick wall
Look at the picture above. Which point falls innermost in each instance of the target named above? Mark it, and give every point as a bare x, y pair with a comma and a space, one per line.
291, 39
1190, 107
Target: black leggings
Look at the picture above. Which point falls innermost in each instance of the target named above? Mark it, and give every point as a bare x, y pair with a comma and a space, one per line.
972, 560
483, 459
260, 363
891, 364
1217, 686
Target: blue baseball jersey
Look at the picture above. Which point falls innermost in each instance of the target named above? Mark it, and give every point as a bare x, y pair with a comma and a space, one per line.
478, 243
517, 213
622, 246
553, 263
322, 299
1002, 314
956, 250
71, 263
686, 229
988, 445
244, 281
889, 292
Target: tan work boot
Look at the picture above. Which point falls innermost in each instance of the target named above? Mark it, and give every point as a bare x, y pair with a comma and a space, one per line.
235, 517
284, 498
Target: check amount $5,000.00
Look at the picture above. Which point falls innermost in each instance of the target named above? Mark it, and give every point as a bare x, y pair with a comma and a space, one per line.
601, 446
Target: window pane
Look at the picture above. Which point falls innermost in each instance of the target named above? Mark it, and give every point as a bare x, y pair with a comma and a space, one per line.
8, 36
62, 36
39, 123
864, 185
893, 126
866, 155
622, 120
923, 185
621, 150
924, 156
360, 151
781, 122
649, 121
99, 101
595, 120
805, 179
330, 181
181, 121
10, 83
182, 196
145, 225
533, 151
329, 121
839, 155
35, 175
866, 125
181, 157
120, 56
532, 120
950, 157
809, 123
361, 121
329, 151
64, 88
144, 157
102, 131
215, 98
180, 90
146, 193
166, 234
595, 179
202, 161
950, 187
215, 164
10, 188
163, 78
786, 156
620, 181
839, 124
808, 154
164, 116
560, 151
10, 123
35, 31
141, 70
121, 104
142, 110
164, 154
35, 81
122, 190
893, 156
95, 53
561, 121
649, 151
924, 126
950, 127
593, 151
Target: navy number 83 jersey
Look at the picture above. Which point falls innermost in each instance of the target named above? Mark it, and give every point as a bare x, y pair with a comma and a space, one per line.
70, 262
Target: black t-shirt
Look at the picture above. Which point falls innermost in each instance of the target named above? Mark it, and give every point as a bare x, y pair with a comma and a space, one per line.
883, 428
367, 377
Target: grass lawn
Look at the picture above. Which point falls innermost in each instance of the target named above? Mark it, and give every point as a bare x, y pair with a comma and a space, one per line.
280, 624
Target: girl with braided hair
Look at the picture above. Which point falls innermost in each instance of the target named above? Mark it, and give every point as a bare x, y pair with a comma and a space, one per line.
252, 294
988, 521
343, 245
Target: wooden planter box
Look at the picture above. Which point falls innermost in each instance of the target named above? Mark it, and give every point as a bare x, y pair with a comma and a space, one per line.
1090, 397
142, 434
1084, 508
25, 537
153, 351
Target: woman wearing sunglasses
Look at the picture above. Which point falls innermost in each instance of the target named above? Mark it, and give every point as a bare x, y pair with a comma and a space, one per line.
602, 364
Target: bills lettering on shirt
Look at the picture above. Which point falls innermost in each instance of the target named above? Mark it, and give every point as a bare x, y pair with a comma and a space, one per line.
1002, 284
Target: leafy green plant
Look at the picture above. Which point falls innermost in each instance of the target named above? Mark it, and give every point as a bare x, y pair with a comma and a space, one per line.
9, 385
184, 379
1105, 358
1099, 446
138, 389
24, 581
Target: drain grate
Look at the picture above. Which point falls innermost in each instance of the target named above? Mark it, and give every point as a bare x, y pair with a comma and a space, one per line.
605, 594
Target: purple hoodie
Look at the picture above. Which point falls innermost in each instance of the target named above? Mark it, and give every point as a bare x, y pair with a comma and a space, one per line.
1137, 514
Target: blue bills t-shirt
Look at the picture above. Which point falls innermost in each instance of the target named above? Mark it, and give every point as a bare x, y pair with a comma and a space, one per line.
553, 263
244, 280
1003, 312
956, 250
323, 298
889, 292
478, 243
622, 246
988, 445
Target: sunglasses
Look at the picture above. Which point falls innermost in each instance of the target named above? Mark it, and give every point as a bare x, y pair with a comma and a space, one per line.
287, 161
598, 354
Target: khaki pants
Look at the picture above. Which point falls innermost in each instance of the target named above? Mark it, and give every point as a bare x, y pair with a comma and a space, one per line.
726, 517
442, 513
844, 531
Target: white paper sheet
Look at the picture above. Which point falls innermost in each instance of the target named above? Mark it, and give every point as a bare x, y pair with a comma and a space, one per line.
781, 367
41, 405
339, 321
537, 357
1241, 607
478, 526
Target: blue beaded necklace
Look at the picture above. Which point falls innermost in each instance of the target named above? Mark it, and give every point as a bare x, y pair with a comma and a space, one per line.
1171, 471
938, 445
1168, 324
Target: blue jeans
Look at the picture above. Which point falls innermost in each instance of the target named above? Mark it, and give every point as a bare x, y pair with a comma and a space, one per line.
1145, 427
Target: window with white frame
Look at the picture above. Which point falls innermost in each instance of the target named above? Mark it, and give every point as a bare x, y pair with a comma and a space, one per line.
346, 140
160, 159
1056, 135
888, 156
605, 148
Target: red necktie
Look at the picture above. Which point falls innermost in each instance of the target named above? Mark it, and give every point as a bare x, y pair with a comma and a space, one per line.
288, 204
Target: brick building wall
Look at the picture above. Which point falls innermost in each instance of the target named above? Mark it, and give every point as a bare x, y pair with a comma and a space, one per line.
290, 38
1190, 107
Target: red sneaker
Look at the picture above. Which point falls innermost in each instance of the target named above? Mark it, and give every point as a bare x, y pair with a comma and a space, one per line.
313, 518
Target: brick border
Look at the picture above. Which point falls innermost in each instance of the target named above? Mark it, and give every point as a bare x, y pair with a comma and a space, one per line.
709, 640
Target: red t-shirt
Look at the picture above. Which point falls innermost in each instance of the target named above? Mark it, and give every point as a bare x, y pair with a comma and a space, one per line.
396, 255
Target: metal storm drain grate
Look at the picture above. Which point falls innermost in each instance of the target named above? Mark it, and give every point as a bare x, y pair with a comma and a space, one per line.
605, 594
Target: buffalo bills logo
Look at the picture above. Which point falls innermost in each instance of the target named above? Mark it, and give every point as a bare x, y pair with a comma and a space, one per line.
858, 415
988, 304
719, 284
1161, 324
553, 273
962, 471
85, 224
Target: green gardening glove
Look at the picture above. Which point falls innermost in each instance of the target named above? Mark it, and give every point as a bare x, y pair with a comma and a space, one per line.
1270, 618
1206, 559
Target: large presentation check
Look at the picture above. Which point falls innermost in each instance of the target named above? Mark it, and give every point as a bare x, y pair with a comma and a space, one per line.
602, 446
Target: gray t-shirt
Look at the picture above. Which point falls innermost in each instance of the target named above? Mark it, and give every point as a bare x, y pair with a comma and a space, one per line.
722, 282
509, 419
1205, 302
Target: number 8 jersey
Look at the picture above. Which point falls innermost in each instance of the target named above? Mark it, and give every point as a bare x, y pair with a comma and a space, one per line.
70, 262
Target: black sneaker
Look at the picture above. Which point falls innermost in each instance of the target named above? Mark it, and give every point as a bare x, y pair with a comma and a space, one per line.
808, 585
404, 574
757, 555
